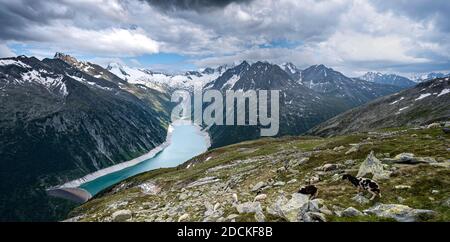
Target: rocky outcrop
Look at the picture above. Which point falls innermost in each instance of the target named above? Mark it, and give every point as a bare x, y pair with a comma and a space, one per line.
299, 208
351, 212
121, 215
409, 158
372, 165
400, 213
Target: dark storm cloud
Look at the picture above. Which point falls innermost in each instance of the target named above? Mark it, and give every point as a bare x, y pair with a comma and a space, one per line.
15, 16
196, 5
407, 35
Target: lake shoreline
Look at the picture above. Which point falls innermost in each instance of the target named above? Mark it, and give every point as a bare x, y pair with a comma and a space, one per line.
71, 190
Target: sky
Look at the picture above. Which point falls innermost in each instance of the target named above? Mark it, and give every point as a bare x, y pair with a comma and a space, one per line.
351, 36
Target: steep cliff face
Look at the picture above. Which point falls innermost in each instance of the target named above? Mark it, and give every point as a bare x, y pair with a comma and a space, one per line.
57, 123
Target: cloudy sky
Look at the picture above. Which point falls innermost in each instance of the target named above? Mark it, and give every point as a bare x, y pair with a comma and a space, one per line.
352, 36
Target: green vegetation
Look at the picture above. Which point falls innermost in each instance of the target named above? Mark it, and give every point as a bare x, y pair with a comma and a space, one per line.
245, 164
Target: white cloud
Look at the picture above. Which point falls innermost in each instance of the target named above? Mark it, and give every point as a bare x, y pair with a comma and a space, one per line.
354, 35
105, 42
5, 51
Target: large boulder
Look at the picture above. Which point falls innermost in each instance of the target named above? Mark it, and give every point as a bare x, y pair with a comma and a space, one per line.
252, 207
249, 207
372, 165
314, 217
409, 158
434, 125
258, 186
399, 212
353, 149
351, 212
292, 210
294, 207
121, 215
149, 188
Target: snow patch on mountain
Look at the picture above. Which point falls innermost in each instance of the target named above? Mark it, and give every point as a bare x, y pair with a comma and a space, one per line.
422, 96
8, 62
396, 101
157, 80
443, 92
51, 83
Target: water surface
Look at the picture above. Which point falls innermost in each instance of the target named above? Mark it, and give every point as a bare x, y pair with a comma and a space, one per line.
186, 142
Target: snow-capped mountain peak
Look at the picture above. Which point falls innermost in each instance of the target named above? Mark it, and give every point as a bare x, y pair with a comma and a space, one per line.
158, 80
389, 79
289, 68
422, 77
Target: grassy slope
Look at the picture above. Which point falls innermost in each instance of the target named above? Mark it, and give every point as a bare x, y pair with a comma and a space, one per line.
267, 155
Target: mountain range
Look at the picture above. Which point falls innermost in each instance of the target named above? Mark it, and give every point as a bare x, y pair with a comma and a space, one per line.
318, 95
390, 79
61, 118
428, 76
59, 121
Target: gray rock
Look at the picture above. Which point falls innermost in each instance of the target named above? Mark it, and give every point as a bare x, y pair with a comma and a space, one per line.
203, 181
258, 186
221, 219
349, 162
329, 167
259, 217
315, 205
296, 162
402, 187
293, 208
275, 208
353, 149
351, 212
121, 215
434, 125
360, 199
400, 213
409, 158
149, 188
313, 217
339, 148
249, 207
371, 165
281, 169
336, 177
183, 218
260, 197
235, 198
183, 196
279, 184
292, 181
232, 216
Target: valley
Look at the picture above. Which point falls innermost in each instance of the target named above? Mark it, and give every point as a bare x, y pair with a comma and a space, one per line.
74, 125
258, 181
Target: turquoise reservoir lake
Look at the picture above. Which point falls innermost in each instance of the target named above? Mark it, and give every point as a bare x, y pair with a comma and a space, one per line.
186, 142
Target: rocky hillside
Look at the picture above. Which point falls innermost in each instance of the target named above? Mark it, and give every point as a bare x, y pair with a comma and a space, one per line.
60, 121
259, 180
320, 94
423, 104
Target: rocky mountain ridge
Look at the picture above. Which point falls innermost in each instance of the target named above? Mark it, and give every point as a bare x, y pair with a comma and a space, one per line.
58, 122
423, 104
